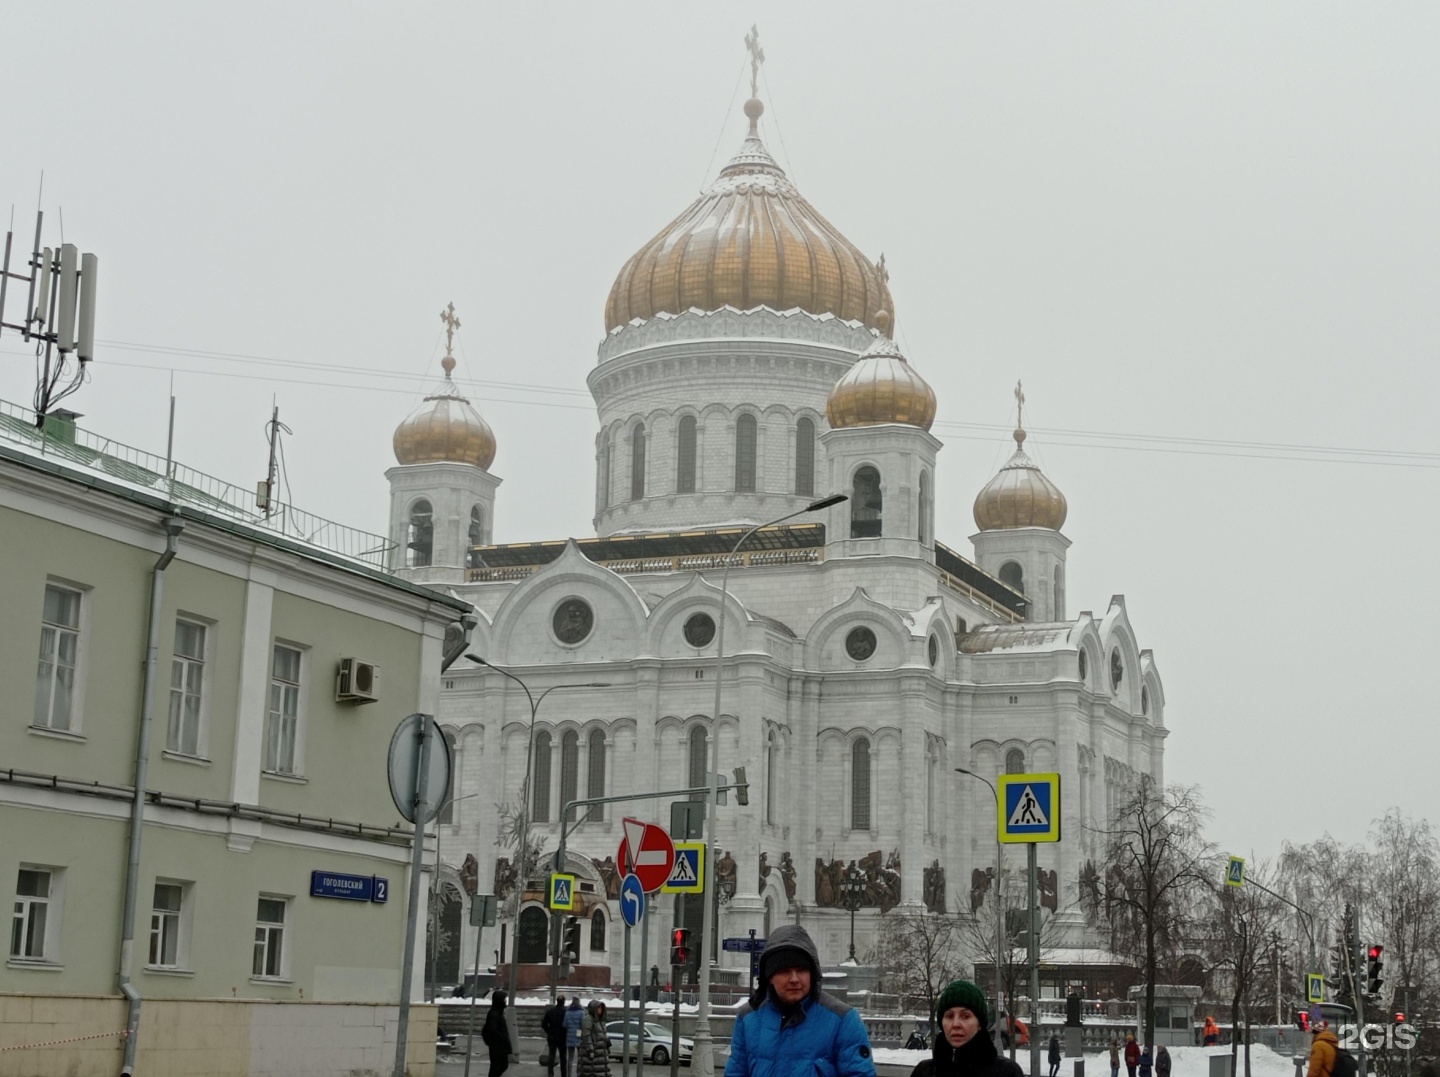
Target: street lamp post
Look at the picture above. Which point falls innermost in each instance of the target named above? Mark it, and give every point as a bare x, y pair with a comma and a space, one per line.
535, 702
436, 893
702, 1062
999, 904
854, 891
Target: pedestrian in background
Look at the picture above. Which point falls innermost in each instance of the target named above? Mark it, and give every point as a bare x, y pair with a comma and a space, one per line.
962, 1048
553, 1025
1054, 1056
1114, 1057
1210, 1034
1132, 1054
594, 1042
574, 1018
496, 1035
1162, 1061
1146, 1063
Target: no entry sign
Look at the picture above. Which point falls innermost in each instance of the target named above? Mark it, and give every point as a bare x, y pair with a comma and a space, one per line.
654, 853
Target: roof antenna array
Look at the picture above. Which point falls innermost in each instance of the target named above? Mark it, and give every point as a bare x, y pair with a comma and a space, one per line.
59, 314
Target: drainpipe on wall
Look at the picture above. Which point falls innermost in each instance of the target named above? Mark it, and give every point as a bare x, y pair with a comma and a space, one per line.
173, 526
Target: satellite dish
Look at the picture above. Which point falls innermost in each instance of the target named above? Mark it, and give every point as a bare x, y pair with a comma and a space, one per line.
404, 767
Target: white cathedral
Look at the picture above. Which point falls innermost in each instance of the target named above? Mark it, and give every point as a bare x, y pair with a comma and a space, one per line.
748, 369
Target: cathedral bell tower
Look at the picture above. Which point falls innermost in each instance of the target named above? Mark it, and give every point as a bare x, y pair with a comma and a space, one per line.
881, 453
442, 494
1020, 513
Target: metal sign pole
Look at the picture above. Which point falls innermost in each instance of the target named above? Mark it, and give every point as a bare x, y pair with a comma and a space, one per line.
1034, 966
644, 999
624, 1050
417, 856
474, 990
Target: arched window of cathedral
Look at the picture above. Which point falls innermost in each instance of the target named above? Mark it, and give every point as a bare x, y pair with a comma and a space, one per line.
637, 463
685, 457
860, 785
1058, 613
604, 470
595, 776
772, 753
924, 522
805, 458
865, 504
540, 801
745, 438
1117, 670
476, 536
597, 931
1013, 576
420, 536
960, 629
699, 749
1144, 701
569, 770
1015, 761
1084, 664
447, 810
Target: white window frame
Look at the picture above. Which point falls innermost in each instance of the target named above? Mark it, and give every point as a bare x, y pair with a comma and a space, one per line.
54, 904
176, 920
207, 666
75, 725
297, 761
266, 935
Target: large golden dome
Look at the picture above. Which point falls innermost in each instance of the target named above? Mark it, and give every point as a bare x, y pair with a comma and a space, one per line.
881, 388
1020, 496
445, 429
748, 241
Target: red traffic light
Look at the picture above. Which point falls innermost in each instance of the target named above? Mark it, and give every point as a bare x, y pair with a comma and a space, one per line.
1375, 952
1399, 1018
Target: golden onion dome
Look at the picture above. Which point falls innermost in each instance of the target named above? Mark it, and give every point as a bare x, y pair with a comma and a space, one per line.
748, 241
881, 388
1020, 495
445, 428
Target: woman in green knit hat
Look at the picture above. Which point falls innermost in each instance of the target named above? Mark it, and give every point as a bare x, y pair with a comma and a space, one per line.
962, 1048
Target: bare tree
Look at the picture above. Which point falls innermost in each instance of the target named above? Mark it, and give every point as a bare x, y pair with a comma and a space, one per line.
1404, 901
917, 953
1244, 925
524, 863
1156, 866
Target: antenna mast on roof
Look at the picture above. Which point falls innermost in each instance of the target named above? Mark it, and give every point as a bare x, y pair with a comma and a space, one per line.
60, 300
265, 489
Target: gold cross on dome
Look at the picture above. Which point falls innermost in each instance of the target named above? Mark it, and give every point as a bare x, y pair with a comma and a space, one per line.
757, 57
1019, 404
452, 323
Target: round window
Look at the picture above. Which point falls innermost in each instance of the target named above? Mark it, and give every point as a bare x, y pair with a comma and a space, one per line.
1084, 664
573, 620
1117, 670
860, 643
934, 651
699, 629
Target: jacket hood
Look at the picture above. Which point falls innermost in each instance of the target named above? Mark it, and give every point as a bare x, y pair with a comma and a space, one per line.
497, 1000
782, 949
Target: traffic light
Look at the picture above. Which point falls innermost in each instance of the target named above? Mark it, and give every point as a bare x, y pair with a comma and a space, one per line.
680, 946
1399, 1018
1302, 1020
1373, 968
572, 939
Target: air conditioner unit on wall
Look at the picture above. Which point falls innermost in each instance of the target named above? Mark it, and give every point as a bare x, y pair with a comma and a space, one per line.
357, 682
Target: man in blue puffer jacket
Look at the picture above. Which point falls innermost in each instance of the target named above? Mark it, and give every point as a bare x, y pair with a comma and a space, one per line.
791, 1028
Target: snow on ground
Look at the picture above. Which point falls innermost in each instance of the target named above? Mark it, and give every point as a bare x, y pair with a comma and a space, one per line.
1185, 1061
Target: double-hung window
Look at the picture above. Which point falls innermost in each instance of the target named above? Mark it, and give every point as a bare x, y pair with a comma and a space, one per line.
165, 949
32, 927
270, 955
283, 722
187, 688
59, 657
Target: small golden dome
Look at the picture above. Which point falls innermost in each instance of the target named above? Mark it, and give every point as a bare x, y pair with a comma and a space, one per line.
749, 241
1020, 496
445, 428
881, 388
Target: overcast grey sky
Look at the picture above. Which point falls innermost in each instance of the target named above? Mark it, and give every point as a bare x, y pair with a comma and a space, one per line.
1205, 236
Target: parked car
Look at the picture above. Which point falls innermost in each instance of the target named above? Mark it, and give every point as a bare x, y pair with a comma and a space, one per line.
656, 1042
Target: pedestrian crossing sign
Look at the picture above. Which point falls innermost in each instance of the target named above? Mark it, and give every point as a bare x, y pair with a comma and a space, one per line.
1029, 808
1235, 871
562, 892
1314, 987
688, 874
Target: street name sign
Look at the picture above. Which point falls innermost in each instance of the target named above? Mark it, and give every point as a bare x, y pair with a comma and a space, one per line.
335, 884
742, 946
688, 874
647, 851
562, 892
1029, 808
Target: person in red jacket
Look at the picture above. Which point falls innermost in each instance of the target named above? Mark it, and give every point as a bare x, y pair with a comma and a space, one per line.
1210, 1034
1132, 1054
